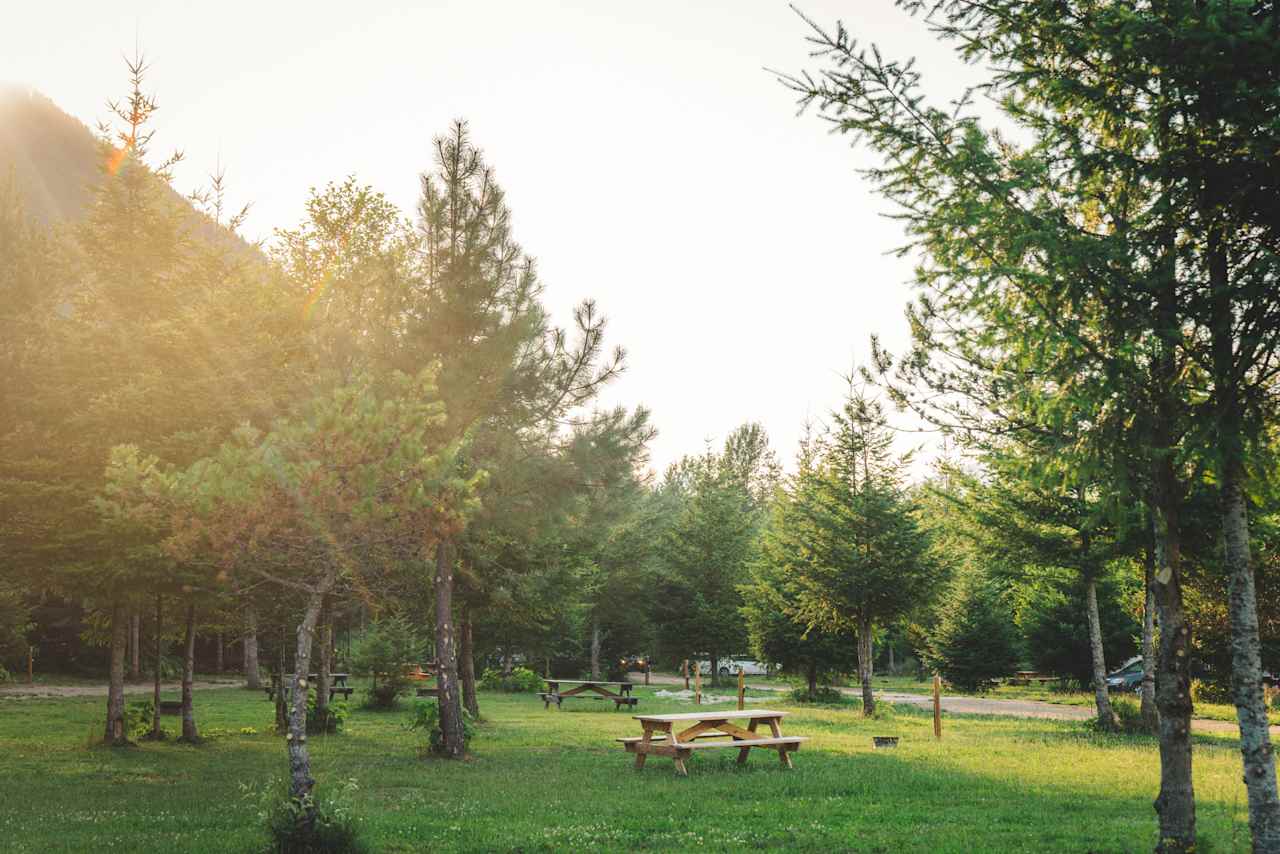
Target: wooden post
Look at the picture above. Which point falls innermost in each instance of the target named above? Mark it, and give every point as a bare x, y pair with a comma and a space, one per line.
937, 706
684, 668
697, 683
742, 690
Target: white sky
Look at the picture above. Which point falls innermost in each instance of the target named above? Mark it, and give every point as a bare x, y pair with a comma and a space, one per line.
649, 160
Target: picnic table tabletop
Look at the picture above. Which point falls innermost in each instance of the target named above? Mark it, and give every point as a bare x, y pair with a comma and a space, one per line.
582, 682
713, 715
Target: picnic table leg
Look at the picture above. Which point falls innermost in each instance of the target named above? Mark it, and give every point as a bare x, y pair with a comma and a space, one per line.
783, 756
744, 752
680, 757
644, 743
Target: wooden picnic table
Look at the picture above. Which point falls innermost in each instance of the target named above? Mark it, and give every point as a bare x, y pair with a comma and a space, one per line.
337, 685
662, 739
619, 692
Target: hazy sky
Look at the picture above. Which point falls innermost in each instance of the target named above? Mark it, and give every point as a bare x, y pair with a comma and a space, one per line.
649, 159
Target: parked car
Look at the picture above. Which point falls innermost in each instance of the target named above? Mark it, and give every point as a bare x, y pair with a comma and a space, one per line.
1126, 677
634, 663
730, 666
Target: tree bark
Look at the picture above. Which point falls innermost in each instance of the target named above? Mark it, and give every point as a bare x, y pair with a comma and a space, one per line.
218, 652
300, 779
1175, 805
135, 650
813, 679
449, 698
595, 648
1246, 649
157, 732
865, 666
1150, 715
891, 667
467, 664
115, 734
322, 670
189, 733
715, 670
1102, 698
1246, 667
252, 676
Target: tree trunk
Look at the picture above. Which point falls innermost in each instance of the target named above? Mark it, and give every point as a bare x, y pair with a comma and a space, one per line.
135, 649
449, 699
1246, 666
1246, 650
813, 679
891, 668
1150, 715
157, 732
189, 733
1102, 698
115, 734
865, 666
300, 779
715, 670
507, 663
595, 649
1175, 805
322, 670
252, 676
218, 652
467, 664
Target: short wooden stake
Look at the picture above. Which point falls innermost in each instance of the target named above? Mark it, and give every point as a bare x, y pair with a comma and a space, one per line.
697, 683
684, 668
937, 706
742, 690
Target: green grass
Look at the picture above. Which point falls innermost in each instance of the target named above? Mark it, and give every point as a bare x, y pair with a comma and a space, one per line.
555, 780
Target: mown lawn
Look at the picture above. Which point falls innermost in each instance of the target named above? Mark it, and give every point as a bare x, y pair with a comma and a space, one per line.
548, 781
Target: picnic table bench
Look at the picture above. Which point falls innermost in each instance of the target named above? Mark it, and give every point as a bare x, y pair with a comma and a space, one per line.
337, 685
1026, 677
592, 689
662, 739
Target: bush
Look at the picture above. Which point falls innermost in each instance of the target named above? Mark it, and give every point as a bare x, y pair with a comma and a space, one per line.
330, 721
4, 675
308, 825
521, 680
1203, 691
426, 719
825, 695
138, 717
383, 649
1065, 685
1128, 717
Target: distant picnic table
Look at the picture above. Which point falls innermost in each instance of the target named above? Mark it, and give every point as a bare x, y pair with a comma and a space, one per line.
594, 689
1026, 677
661, 739
337, 685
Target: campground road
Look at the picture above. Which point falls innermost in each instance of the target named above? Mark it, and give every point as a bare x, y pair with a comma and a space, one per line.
983, 706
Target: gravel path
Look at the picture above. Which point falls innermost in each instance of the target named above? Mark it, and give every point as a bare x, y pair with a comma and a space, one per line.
984, 706
21, 691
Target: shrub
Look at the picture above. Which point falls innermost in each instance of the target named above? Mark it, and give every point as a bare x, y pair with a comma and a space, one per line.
138, 717
307, 825
4, 675
1128, 717
824, 695
1203, 691
426, 719
1065, 685
521, 680
383, 649
325, 722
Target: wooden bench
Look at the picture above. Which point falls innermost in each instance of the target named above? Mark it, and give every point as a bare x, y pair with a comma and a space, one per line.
660, 739
337, 685
170, 707
618, 692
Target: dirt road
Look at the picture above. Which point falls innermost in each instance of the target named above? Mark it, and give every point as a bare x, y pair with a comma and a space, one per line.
22, 691
982, 706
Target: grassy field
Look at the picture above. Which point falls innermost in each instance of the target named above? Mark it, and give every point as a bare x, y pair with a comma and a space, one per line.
555, 780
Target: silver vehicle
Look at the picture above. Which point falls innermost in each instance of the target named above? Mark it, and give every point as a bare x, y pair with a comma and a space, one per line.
731, 665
